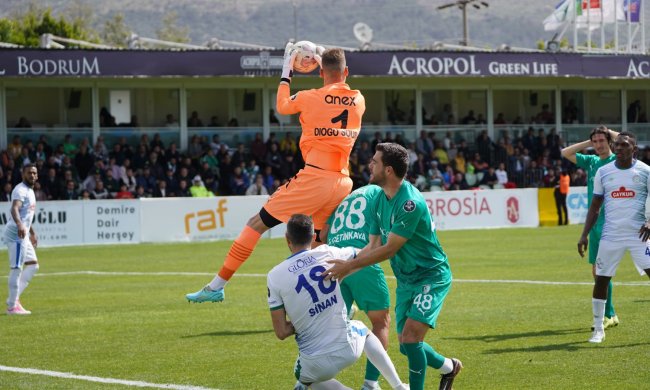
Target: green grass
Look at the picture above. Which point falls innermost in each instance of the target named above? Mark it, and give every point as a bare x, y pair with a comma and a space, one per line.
140, 328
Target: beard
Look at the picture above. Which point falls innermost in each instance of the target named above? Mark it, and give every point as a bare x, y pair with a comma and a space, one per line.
374, 179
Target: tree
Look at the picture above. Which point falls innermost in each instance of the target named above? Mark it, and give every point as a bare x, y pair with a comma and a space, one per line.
170, 31
82, 17
116, 32
26, 28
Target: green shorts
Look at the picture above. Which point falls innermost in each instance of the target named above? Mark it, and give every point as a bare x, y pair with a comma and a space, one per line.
421, 302
367, 287
594, 242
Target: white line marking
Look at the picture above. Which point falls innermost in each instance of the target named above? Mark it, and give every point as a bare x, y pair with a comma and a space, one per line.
512, 281
67, 375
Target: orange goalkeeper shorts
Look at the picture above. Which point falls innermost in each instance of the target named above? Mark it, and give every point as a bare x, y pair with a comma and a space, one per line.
313, 191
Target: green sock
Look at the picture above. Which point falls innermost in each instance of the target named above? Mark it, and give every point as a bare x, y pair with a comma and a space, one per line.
609, 306
372, 373
417, 364
434, 359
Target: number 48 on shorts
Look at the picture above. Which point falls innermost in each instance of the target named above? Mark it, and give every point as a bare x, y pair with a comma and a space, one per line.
423, 302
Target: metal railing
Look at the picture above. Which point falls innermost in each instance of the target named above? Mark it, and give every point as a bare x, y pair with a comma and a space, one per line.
232, 136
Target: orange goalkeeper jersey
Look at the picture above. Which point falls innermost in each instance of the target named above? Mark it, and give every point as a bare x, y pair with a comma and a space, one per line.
331, 120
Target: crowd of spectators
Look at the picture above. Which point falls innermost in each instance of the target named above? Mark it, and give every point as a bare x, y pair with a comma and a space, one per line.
210, 167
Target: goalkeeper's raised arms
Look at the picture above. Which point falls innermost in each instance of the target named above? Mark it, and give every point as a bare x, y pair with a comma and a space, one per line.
317, 56
287, 66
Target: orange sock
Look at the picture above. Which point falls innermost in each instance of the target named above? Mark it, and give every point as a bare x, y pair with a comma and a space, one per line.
239, 252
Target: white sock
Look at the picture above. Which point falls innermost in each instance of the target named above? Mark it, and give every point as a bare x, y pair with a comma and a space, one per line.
26, 276
370, 384
331, 384
217, 283
599, 312
14, 279
447, 366
378, 356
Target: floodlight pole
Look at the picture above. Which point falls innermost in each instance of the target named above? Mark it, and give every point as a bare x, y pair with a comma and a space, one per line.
462, 4
295, 20
465, 41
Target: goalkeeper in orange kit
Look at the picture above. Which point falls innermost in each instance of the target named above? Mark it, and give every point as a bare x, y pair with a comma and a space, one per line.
330, 118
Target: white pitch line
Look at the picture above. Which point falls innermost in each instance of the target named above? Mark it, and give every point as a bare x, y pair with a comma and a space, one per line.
511, 281
67, 375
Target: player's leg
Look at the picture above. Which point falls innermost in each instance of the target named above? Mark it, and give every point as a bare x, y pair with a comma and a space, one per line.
594, 243
379, 357
362, 339
608, 258
368, 288
239, 252
29, 270
30, 266
380, 320
16, 258
417, 309
243, 246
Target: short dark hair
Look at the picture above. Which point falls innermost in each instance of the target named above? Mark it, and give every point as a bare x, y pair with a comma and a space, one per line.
29, 166
333, 60
601, 130
394, 156
629, 135
300, 229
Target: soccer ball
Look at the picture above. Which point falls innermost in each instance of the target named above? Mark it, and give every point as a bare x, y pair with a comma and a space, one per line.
305, 61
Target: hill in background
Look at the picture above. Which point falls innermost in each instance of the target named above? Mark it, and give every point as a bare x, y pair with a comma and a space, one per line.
417, 23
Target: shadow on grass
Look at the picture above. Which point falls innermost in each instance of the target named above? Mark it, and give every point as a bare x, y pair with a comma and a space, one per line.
510, 336
569, 347
228, 333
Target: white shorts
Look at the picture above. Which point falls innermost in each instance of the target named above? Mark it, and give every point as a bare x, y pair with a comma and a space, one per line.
610, 254
20, 252
320, 368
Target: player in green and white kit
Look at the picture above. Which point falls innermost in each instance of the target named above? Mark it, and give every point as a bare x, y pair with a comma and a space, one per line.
348, 227
402, 231
600, 139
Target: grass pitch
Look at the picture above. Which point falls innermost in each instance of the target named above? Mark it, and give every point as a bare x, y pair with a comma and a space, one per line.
129, 319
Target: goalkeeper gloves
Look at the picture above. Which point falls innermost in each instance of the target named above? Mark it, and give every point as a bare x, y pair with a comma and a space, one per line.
287, 67
317, 56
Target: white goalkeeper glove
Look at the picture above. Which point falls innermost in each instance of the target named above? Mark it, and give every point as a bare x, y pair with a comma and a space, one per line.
287, 67
319, 53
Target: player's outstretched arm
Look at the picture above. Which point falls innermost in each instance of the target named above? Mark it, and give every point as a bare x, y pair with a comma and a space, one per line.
367, 257
592, 217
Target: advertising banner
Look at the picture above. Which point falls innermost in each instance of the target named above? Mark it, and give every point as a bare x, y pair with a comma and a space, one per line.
56, 223
546, 207
120, 63
576, 204
453, 210
220, 218
111, 221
